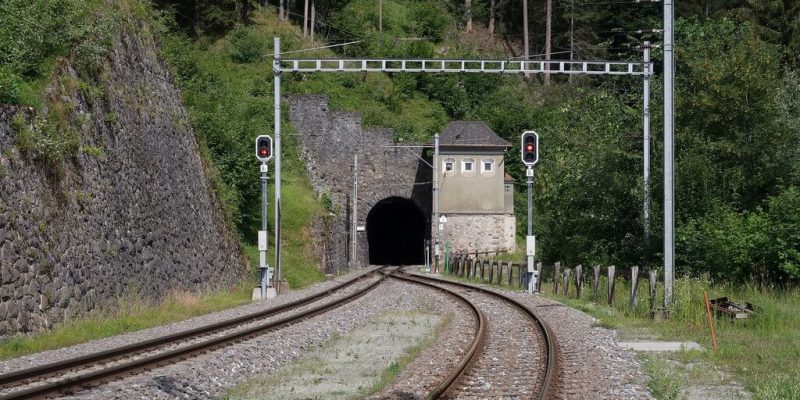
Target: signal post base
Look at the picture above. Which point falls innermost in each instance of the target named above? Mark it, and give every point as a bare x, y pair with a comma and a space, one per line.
271, 293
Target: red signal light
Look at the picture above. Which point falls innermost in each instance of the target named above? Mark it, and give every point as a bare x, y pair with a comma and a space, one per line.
530, 148
263, 148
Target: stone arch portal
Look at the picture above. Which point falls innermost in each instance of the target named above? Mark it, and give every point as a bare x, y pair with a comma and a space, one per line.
396, 232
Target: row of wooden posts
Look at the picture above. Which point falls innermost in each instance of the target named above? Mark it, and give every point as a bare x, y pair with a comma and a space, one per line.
487, 270
503, 273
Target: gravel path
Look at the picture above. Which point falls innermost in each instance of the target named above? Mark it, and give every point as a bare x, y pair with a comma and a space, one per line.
348, 367
121, 340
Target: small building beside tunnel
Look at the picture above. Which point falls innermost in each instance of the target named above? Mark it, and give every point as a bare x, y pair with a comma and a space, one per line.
379, 209
476, 194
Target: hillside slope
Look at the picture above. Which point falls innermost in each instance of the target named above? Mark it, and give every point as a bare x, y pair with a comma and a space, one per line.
104, 194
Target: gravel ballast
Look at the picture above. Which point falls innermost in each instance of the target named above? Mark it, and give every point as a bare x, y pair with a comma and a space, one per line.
592, 364
212, 374
125, 339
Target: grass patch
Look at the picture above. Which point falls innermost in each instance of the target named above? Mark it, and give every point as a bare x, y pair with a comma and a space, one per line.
664, 383
132, 314
763, 353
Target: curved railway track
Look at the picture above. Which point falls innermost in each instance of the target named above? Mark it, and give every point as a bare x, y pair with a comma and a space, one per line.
61, 376
479, 357
85, 371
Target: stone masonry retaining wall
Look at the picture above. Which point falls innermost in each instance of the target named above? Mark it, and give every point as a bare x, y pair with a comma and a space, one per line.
476, 232
139, 217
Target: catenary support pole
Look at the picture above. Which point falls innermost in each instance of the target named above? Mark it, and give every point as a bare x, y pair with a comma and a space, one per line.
526, 50
646, 155
277, 104
435, 182
354, 222
669, 155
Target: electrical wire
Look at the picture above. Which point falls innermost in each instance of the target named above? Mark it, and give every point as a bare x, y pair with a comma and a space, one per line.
320, 48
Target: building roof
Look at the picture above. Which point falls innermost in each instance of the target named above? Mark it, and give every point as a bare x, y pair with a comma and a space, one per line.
470, 133
509, 178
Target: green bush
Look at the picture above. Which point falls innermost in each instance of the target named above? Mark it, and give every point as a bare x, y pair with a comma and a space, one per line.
731, 245
247, 47
9, 87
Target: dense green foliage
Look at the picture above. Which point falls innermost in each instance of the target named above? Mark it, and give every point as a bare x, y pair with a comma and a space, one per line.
738, 102
33, 35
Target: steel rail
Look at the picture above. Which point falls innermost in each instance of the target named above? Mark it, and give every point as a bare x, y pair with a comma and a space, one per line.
183, 352
548, 385
54, 368
477, 341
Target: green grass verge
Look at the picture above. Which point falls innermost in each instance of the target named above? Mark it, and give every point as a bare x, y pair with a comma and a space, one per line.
763, 353
131, 314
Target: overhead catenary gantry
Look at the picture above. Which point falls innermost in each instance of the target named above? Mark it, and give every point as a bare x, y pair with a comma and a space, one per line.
524, 67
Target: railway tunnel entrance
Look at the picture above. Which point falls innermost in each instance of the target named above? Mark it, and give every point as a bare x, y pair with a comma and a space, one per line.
396, 232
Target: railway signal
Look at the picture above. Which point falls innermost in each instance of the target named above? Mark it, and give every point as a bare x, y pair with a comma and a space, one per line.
264, 154
530, 156
530, 148
264, 148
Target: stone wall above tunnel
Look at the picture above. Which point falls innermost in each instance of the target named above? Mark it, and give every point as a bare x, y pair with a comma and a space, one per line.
329, 140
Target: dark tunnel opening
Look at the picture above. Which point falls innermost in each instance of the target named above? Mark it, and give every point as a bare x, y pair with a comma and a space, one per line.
396, 233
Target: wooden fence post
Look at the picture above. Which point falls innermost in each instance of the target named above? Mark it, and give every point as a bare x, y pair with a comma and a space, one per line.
653, 292
539, 274
578, 280
499, 272
510, 273
611, 269
491, 271
634, 287
556, 276
596, 282
567, 273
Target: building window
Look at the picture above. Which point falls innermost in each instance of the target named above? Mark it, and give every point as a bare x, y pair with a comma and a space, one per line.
508, 188
487, 167
449, 166
467, 166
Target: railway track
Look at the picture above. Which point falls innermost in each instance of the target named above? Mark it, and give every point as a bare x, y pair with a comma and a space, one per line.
510, 371
509, 357
84, 371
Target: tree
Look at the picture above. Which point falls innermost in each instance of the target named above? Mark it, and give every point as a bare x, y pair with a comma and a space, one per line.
491, 17
548, 39
305, 19
468, 15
